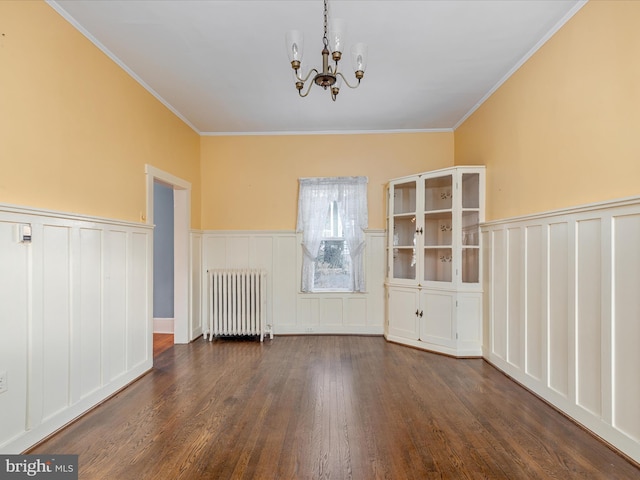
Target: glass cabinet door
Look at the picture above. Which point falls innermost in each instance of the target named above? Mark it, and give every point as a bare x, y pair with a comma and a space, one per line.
434, 228
470, 241
438, 229
404, 231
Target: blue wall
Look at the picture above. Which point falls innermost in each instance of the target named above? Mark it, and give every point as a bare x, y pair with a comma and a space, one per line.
162, 251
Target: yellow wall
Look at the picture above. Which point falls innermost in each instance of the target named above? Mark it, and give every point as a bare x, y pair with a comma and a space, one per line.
75, 129
251, 182
76, 132
565, 129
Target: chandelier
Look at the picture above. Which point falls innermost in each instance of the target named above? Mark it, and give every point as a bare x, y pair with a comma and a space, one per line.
329, 77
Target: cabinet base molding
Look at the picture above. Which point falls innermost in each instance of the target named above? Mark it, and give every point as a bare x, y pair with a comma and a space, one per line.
474, 352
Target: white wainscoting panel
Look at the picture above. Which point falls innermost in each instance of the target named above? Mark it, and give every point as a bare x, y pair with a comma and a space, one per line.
559, 323
535, 299
75, 317
589, 315
15, 311
116, 309
87, 355
289, 310
355, 311
55, 324
139, 333
282, 280
626, 325
563, 316
195, 287
515, 306
501, 295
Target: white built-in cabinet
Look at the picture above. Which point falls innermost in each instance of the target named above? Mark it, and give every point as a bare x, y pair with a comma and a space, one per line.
433, 281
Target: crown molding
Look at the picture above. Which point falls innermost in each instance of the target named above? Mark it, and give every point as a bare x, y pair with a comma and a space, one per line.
327, 132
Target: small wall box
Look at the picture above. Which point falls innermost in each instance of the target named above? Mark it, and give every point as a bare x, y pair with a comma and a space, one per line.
24, 233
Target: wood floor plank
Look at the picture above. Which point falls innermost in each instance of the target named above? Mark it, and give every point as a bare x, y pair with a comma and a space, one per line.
328, 407
162, 342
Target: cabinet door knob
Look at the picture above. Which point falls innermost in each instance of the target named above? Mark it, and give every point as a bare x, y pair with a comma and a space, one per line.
416, 312
421, 312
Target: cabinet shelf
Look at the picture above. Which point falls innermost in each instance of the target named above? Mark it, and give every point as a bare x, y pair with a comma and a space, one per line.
440, 211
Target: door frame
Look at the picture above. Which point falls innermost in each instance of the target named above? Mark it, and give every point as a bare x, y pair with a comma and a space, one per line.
181, 222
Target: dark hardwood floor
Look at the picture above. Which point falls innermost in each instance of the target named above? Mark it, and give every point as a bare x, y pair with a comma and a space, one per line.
328, 407
161, 342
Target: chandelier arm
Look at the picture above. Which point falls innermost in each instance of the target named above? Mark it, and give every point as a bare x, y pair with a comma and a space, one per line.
304, 80
308, 90
347, 82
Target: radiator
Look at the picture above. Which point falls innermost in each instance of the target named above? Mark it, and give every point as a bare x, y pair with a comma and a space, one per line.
237, 303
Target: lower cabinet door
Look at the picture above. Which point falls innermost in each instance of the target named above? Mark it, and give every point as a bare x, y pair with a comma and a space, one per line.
437, 325
469, 320
403, 319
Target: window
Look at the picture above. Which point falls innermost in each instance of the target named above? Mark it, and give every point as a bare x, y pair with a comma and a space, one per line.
332, 216
332, 269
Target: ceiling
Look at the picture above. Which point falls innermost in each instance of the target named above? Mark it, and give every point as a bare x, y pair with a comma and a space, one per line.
222, 67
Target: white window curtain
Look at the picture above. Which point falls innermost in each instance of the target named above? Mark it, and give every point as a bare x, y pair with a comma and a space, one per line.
315, 197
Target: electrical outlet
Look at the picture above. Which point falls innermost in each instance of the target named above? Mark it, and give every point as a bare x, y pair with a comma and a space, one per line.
3, 382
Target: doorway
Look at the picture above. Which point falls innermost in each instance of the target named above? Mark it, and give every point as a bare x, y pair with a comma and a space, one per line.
163, 258
181, 190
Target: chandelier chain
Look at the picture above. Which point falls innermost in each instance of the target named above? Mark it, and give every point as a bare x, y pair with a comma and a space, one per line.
325, 41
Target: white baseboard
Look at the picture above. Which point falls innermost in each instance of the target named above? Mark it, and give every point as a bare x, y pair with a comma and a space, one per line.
163, 325
471, 352
326, 330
